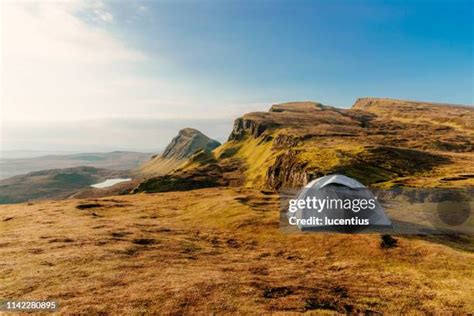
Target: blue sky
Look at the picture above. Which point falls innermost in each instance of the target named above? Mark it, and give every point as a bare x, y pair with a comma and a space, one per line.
92, 64
332, 51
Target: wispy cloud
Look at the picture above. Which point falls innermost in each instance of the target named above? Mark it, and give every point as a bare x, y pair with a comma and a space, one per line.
97, 10
57, 65
104, 16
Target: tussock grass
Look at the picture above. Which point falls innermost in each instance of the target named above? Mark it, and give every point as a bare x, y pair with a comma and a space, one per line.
216, 251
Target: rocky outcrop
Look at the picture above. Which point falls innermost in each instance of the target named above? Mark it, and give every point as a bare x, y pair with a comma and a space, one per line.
287, 172
301, 107
245, 126
281, 115
183, 146
186, 143
283, 141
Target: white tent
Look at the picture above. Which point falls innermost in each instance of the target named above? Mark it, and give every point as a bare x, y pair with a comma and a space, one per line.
337, 192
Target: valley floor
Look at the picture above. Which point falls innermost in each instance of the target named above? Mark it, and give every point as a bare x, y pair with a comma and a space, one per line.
215, 250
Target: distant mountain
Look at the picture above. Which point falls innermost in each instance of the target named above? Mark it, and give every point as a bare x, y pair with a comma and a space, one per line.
17, 154
184, 145
117, 160
53, 183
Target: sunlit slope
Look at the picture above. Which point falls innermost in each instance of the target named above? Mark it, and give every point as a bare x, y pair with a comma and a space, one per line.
219, 251
382, 143
450, 115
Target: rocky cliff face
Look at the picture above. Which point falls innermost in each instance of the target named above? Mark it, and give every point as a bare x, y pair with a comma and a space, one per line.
287, 115
378, 141
287, 171
243, 126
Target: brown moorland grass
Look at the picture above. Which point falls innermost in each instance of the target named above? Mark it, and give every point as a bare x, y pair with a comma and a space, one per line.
215, 250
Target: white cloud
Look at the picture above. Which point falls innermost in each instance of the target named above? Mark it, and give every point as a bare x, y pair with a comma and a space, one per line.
55, 65
104, 15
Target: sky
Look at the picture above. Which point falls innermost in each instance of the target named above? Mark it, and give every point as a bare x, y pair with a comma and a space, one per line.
127, 75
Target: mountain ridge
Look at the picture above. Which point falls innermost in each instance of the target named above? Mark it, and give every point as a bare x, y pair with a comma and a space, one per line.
115, 160
394, 142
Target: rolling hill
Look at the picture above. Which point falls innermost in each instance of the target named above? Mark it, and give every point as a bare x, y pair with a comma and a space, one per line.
52, 183
116, 160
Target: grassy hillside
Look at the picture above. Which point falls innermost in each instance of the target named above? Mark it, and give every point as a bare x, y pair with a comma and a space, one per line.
53, 183
216, 251
380, 142
159, 166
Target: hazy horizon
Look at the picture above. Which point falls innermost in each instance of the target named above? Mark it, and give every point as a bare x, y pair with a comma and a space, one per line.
141, 135
144, 135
